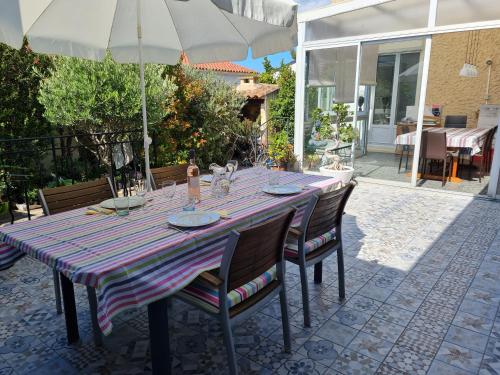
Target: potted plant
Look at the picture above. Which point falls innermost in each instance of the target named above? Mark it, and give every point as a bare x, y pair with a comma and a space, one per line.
346, 132
281, 151
322, 130
336, 169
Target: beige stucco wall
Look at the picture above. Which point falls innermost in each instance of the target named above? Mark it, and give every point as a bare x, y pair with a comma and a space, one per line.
459, 95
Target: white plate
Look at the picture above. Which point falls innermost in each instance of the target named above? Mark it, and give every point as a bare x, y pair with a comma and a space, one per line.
189, 219
134, 201
281, 189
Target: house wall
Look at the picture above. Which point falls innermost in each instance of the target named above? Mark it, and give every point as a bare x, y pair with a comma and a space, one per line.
460, 95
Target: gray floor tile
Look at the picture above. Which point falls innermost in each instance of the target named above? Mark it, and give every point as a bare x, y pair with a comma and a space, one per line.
473, 322
467, 338
370, 346
441, 368
459, 356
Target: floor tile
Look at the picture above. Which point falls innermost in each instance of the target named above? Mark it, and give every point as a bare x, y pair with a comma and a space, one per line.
370, 346
383, 330
459, 356
394, 314
353, 363
419, 342
408, 361
350, 317
320, 350
474, 323
441, 368
337, 332
404, 301
467, 338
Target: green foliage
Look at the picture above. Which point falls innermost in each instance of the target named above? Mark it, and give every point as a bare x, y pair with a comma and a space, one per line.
101, 96
21, 114
267, 76
280, 150
322, 122
284, 104
347, 133
203, 114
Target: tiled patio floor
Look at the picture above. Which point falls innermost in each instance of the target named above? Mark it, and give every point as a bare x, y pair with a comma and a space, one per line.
423, 285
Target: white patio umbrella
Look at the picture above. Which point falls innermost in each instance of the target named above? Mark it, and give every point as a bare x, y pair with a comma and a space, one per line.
154, 31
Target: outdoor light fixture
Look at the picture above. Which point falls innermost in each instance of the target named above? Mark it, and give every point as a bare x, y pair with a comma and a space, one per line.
469, 69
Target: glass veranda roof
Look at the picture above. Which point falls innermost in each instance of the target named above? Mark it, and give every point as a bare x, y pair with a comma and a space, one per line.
398, 15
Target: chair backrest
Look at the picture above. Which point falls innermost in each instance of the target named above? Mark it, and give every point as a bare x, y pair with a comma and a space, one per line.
258, 249
66, 198
433, 145
488, 142
328, 211
178, 173
455, 122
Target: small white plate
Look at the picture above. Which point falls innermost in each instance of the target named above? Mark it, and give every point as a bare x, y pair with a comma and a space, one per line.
189, 219
134, 201
282, 189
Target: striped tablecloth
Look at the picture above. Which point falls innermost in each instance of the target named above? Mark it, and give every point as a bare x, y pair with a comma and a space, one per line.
455, 137
135, 260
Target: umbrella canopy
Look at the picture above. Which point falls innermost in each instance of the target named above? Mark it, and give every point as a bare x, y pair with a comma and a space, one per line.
154, 31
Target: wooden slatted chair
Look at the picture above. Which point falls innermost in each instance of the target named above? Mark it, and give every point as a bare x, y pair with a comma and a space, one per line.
318, 236
177, 173
251, 274
66, 198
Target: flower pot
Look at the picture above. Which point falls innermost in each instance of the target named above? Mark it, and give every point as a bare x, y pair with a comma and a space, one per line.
279, 168
344, 175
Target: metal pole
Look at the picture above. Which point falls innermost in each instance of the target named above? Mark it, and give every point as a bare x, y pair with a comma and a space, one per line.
421, 109
147, 140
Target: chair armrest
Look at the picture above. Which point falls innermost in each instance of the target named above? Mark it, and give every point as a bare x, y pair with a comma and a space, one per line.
210, 279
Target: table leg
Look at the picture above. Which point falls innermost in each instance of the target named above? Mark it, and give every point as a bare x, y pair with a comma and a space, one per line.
158, 336
68, 295
454, 171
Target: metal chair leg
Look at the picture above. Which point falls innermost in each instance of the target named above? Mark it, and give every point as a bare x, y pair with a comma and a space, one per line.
341, 273
57, 291
445, 163
400, 160
93, 316
318, 273
285, 321
305, 296
228, 340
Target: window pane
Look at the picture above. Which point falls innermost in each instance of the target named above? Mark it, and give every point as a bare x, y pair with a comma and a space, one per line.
392, 16
451, 12
383, 90
409, 73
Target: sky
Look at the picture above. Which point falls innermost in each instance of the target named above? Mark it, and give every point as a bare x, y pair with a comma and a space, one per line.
256, 64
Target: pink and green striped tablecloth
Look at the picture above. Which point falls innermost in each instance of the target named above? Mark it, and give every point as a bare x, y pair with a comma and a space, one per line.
455, 137
135, 260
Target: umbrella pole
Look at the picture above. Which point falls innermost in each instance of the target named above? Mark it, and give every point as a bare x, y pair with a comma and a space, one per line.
147, 140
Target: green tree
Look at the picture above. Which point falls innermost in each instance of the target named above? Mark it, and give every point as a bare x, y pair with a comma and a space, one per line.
95, 97
267, 76
283, 106
21, 71
203, 114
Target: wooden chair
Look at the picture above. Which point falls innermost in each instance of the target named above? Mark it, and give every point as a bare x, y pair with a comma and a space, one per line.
178, 173
318, 236
251, 274
66, 198
434, 148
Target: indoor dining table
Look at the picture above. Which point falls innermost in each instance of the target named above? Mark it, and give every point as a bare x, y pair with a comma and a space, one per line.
139, 260
471, 139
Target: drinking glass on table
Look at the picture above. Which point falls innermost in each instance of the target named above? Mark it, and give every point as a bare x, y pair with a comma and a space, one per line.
122, 205
140, 188
168, 188
232, 167
274, 178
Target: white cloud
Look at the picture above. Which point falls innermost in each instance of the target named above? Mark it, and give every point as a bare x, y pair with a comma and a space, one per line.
310, 4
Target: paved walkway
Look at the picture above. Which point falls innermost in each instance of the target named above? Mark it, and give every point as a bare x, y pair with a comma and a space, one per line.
423, 286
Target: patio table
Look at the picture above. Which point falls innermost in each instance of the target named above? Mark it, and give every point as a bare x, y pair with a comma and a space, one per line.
472, 139
139, 260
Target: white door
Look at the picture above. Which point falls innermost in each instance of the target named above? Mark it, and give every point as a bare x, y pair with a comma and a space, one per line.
395, 94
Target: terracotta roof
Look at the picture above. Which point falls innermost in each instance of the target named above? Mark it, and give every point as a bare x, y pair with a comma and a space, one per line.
222, 66
256, 90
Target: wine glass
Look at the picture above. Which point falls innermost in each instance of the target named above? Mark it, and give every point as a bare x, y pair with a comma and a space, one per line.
232, 166
168, 188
